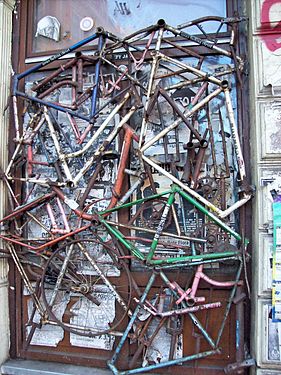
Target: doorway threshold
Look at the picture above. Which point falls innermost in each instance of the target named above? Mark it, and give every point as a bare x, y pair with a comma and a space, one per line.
30, 367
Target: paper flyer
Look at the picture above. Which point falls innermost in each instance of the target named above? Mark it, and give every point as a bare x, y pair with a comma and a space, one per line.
276, 269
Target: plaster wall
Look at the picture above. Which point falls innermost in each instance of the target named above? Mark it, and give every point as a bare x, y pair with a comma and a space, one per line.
265, 122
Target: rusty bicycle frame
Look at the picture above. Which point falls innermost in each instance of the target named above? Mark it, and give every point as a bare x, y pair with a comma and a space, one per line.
126, 103
214, 344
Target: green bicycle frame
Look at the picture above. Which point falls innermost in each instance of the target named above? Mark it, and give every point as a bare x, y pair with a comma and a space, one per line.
185, 260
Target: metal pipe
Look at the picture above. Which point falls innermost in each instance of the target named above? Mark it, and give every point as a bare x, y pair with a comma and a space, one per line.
104, 145
118, 186
234, 131
228, 306
56, 86
130, 78
49, 243
171, 362
105, 279
182, 185
53, 75
90, 184
132, 320
58, 55
16, 117
29, 138
150, 85
195, 321
100, 129
160, 227
240, 325
57, 146
166, 234
64, 218
146, 343
202, 42
211, 18
190, 309
138, 63
187, 113
180, 114
97, 78
183, 265
198, 164
190, 68
131, 190
22, 209
26, 281
197, 80
51, 105
190, 259
201, 199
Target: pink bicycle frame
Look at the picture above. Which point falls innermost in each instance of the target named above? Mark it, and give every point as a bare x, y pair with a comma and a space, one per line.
190, 294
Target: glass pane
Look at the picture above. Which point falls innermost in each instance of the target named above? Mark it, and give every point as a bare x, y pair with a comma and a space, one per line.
59, 24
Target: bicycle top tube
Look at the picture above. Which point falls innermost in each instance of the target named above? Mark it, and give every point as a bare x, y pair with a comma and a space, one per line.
186, 196
58, 55
174, 189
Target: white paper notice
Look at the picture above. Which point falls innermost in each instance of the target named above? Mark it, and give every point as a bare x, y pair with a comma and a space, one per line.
87, 314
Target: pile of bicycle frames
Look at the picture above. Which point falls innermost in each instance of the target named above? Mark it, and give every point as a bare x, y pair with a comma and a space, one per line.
124, 186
